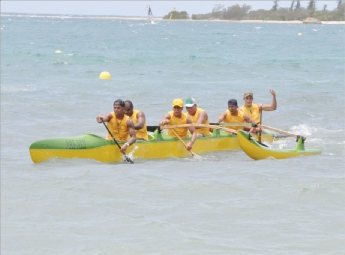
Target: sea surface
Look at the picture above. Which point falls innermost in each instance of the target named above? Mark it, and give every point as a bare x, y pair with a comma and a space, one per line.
225, 203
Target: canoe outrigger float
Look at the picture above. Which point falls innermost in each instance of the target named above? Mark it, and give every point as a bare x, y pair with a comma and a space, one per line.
257, 150
160, 146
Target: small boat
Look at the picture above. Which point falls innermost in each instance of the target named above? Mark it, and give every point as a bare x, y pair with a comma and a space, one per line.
311, 20
159, 146
257, 150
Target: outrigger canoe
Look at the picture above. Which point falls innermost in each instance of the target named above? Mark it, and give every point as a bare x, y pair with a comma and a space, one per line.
159, 146
257, 151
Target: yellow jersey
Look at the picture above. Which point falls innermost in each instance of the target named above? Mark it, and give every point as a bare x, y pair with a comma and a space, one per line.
118, 128
229, 118
181, 132
195, 117
141, 133
253, 112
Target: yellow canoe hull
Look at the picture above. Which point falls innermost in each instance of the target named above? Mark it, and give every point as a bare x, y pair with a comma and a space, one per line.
160, 146
256, 151
140, 150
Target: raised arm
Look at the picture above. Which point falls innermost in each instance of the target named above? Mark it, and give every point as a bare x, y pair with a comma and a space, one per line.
105, 118
221, 117
141, 120
273, 106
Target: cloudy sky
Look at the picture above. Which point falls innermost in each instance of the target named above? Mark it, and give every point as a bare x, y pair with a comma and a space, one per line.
137, 8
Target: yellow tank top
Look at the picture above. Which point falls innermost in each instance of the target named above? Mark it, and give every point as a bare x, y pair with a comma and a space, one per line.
204, 131
181, 132
253, 112
237, 119
118, 128
141, 133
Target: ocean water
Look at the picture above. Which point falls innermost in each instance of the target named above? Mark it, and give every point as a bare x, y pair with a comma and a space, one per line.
225, 203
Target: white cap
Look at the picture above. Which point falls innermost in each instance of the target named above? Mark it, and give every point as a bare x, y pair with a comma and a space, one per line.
190, 102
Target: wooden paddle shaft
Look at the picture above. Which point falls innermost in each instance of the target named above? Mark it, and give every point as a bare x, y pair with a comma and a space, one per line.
193, 154
281, 131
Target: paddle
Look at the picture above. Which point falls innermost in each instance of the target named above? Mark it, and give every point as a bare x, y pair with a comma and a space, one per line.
124, 154
193, 154
282, 132
260, 111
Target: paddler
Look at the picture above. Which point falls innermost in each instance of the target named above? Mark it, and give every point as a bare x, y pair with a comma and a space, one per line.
198, 116
233, 115
254, 110
139, 120
177, 117
120, 125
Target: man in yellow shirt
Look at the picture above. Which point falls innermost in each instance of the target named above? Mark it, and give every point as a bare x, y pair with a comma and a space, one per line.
120, 125
254, 110
139, 120
177, 117
198, 116
233, 115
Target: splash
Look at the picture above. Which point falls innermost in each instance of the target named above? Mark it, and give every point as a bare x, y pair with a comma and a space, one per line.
302, 130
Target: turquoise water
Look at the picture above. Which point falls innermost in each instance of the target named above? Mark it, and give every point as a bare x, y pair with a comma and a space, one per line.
225, 203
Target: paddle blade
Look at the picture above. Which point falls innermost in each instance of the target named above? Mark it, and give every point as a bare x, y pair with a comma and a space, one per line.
128, 159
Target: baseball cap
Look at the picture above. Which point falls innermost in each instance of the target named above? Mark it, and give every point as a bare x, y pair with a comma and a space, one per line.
247, 94
177, 102
190, 102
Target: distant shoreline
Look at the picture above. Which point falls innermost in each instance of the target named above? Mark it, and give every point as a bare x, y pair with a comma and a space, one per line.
161, 19
217, 20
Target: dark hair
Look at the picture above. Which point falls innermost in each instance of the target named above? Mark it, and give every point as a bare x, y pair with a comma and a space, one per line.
130, 103
232, 102
120, 102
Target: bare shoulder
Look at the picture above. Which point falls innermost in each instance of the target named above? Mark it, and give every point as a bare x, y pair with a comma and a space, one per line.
140, 114
130, 122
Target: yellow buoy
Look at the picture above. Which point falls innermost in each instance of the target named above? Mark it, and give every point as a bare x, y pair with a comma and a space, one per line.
58, 51
299, 34
105, 75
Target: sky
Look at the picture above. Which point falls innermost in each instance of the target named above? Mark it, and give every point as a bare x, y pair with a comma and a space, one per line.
138, 8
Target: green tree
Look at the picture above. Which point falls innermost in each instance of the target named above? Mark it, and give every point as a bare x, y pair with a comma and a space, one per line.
275, 6
325, 7
218, 11
177, 15
236, 12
